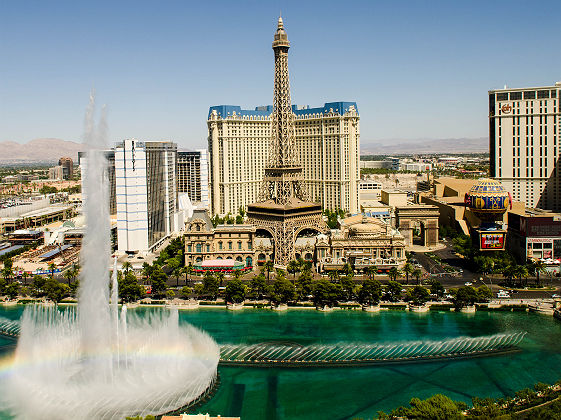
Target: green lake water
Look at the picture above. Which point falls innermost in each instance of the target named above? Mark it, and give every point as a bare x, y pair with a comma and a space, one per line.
359, 392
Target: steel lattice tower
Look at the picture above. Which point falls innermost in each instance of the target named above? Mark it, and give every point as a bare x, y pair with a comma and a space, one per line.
283, 209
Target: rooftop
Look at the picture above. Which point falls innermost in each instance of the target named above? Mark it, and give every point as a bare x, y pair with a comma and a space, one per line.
224, 111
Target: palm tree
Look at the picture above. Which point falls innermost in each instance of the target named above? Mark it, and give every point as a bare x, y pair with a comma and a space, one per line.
408, 269
68, 275
220, 278
293, 267
126, 267
24, 275
394, 273
52, 268
371, 271
537, 267
334, 276
177, 271
522, 273
189, 270
348, 270
417, 274
268, 267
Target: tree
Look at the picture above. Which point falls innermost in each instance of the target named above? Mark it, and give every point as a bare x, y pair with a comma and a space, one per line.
347, 286
2, 287
371, 271
465, 295
199, 289
419, 295
304, 285
24, 276
258, 286
159, 278
393, 273
126, 267
393, 291
408, 269
52, 268
237, 273
417, 274
189, 271
54, 290
484, 294
235, 291
12, 290
334, 276
437, 407
268, 267
326, 293
283, 291
437, 289
129, 289
210, 285
293, 267
521, 272
370, 293
537, 267
38, 285
146, 270
348, 270
220, 277
186, 292
67, 275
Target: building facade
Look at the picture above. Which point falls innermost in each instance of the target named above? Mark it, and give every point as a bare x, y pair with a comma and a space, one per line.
524, 127
192, 175
326, 145
110, 155
146, 193
67, 167
362, 242
534, 234
225, 242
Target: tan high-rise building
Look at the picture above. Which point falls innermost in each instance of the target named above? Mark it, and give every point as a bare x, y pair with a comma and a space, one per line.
524, 126
327, 141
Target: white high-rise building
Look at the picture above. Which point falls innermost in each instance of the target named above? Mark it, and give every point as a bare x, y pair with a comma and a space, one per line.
327, 141
524, 128
146, 193
192, 175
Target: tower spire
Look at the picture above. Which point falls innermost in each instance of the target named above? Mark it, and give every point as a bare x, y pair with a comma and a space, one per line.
282, 208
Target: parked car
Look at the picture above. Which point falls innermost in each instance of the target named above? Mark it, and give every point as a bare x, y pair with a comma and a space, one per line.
468, 283
503, 294
555, 296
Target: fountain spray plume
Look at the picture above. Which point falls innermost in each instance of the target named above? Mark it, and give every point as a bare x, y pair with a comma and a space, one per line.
90, 363
94, 316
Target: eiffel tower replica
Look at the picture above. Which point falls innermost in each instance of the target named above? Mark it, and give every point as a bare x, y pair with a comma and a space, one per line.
283, 208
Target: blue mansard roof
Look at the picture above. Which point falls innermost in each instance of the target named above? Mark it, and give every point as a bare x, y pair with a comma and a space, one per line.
224, 111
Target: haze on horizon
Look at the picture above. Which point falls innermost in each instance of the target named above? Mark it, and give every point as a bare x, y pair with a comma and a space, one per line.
417, 69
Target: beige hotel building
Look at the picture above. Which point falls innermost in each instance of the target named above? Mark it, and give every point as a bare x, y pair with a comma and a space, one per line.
524, 127
327, 147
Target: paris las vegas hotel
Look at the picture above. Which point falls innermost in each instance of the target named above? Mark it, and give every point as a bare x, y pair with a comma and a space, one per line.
327, 147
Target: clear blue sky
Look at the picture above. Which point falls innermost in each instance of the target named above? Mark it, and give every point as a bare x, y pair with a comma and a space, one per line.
417, 69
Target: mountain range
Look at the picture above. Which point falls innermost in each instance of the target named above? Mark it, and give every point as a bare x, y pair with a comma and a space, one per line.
398, 146
45, 150
49, 150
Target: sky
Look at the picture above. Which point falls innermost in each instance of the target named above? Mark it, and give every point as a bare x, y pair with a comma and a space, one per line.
417, 69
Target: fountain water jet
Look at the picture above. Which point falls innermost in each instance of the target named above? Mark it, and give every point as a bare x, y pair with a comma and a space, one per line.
91, 363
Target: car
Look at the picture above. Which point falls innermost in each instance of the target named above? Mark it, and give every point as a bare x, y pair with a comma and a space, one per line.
418, 265
468, 283
555, 296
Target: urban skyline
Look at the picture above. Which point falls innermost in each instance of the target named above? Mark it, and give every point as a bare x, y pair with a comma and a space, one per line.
159, 82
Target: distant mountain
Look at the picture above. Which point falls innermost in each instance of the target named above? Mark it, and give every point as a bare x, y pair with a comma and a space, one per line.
461, 145
38, 150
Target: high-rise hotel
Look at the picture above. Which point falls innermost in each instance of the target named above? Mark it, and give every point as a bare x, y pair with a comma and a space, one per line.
146, 193
327, 147
524, 126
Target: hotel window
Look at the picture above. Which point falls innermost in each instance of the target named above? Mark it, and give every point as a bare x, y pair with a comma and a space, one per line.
239, 245
230, 245
189, 248
199, 248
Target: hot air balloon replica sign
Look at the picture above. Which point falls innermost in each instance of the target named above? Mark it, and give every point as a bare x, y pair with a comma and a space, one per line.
489, 200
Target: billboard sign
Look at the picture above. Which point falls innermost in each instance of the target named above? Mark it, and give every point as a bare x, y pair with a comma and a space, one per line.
491, 241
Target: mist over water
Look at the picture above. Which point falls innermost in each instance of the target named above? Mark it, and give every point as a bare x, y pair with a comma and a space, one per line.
94, 361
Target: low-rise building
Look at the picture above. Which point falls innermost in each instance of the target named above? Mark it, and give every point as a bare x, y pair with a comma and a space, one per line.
534, 234
363, 242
